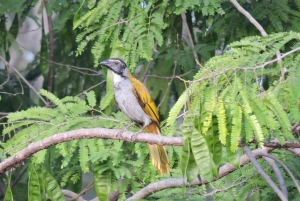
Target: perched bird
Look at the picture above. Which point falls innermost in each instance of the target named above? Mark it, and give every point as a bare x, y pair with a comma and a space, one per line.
134, 100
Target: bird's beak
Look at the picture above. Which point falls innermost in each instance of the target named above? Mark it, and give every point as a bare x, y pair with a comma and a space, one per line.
105, 63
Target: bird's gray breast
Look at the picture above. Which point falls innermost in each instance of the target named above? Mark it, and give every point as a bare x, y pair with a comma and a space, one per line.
128, 102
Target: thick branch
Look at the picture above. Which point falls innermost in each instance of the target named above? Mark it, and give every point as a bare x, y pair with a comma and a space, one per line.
92, 133
278, 174
287, 144
284, 166
178, 182
267, 178
86, 133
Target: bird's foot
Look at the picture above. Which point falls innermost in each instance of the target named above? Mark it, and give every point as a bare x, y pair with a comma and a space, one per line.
133, 137
125, 129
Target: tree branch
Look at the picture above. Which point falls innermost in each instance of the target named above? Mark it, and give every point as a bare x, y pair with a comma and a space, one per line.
254, 22
86, 133
103, 133
183, 16
267, 178
178, 182
70, 195
278, 175
249, 17
284, 166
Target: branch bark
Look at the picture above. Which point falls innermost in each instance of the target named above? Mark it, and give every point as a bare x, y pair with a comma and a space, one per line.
103, 133
267, 178
86, 133
278, 174
284, 166
178, 182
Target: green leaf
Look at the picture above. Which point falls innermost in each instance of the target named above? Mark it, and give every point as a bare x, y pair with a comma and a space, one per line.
221, 115
91, 3
8, 194
91, 97
77, 14
52, 188
102, 181
33, 184
54, 99
40, 156
236, 126
84, 154
118, 50
192, 169
202, 155
185, 155
213, 142
89, 17
232, 157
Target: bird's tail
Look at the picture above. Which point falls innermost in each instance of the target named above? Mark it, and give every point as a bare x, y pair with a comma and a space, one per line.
158, 154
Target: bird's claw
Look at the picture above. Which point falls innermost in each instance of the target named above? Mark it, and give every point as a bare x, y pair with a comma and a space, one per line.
133, 137
124, 129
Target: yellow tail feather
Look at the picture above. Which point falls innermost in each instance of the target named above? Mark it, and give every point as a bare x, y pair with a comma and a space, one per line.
158, 154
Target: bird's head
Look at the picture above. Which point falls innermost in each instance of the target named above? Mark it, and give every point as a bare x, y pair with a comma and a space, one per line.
117, 66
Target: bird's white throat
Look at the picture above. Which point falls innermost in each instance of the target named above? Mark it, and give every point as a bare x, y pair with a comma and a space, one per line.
117, 78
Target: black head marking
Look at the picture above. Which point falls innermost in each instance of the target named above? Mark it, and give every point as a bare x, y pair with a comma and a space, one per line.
116, 65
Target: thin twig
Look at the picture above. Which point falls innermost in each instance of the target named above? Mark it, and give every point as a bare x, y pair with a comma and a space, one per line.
88, 187
169, 77
215, 74
254, 22
249, 16
90, 88
169, 84
224, 189
147, 69
267, 178
77, 69
17, 179
24, 80
70, 195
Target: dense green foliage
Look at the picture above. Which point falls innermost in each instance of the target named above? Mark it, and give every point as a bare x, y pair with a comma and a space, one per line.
241, 97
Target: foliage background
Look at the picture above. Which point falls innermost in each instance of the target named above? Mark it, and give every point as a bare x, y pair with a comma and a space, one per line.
214, 110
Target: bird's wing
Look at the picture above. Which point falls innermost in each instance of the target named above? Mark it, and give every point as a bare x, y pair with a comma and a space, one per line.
143, 96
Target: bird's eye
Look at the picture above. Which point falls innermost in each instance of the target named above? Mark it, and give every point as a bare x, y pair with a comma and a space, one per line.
116, 62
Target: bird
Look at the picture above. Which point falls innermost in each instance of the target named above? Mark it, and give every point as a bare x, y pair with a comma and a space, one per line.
134, 100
